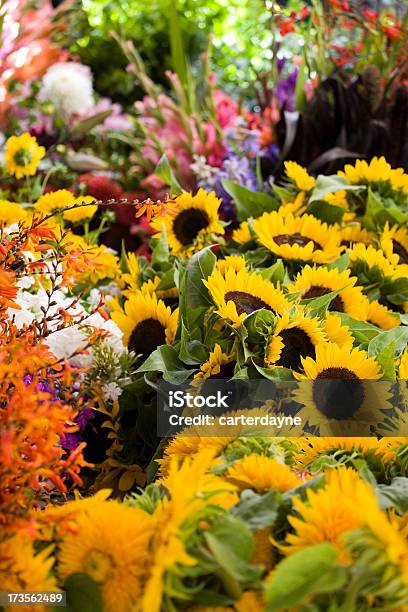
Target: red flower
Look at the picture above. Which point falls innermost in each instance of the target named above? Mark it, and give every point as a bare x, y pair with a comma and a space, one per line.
101, 187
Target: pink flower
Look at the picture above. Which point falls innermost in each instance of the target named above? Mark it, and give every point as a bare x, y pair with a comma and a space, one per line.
226, 109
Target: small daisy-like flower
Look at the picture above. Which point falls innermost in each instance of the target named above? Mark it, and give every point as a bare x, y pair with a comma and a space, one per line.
23, 154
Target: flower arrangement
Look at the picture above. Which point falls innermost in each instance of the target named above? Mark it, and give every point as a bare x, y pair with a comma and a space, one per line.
310, 286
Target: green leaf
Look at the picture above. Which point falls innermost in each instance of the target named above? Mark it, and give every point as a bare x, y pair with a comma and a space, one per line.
275, 273
191, 351
194, 297
160, 250
329, 213
307, 571
317, 307
398, 336
176, 42
249, 203
163, 170
379, 211
231, 544
277, 375
86, 125
387, 362
394, 495
258, 510
362, 331
331, 184
83, 594
165, 359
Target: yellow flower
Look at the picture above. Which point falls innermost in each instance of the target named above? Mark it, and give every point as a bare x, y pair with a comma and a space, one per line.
242, 234
318, 281
302, 238
250, 601
336, 331
190, 222
54, 201
233, 262
11, 212
355, 233
238, 294
103, 264
110, 544
377, 170
260, 473
350, 406
146, 323
329, 513
376, 259
185, 444
132, 277
23, 155
293, 338
81, 213
23, 570
394, 241
191, 489
337, 198
297, 207
403, 366
299, 176
381, 316
218, 365
310, 448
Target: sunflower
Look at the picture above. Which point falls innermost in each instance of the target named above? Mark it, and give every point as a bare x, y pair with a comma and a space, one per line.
11, 212
337, 198
169, 296
335, 393
403, 366
190, 222
238, 294
297, 207
381, 316
327, 514
132, 276
146, 323
242, 234
235, 262
260, 473
318, 281
23, 154
302, 238
394, 240
218, 365
378, 170
350, 234
81, 213
335, 330
311, 448
110, 544
185, 445
293, 338
299, 176
364, 257
54, 201
23, 570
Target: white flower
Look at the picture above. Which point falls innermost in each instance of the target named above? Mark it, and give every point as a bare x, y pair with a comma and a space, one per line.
68, 85
111, 391
25, 282
65, 342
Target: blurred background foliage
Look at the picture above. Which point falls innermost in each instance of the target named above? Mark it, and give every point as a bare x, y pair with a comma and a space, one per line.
239, 30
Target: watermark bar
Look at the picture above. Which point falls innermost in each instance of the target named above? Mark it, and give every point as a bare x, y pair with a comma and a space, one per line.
33, 598
320, 407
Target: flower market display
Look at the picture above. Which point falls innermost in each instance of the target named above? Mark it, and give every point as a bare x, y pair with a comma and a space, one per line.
188, 241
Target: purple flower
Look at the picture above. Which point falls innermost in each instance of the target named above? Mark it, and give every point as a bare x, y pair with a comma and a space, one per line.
83, 418
69, 441
285, 91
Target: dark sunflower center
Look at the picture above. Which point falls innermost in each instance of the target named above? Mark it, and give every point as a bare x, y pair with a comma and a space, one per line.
336, 305
146, 337
296, 238
226, 371
22, 157
245, 302
399, 250
296, 344
188, 224
338, 393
